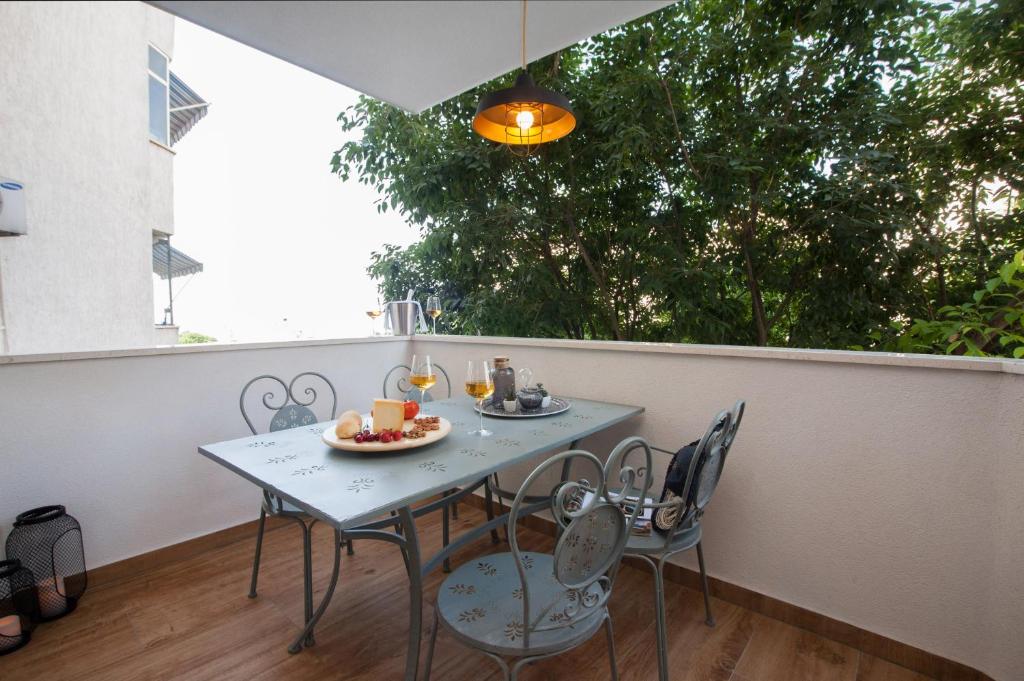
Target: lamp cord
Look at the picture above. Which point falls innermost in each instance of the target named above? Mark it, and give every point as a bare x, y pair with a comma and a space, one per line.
524, 35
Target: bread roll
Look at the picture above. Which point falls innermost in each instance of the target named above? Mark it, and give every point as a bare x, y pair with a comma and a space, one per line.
349, 423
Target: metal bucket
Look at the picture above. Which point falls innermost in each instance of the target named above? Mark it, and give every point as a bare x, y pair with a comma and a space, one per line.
402, 317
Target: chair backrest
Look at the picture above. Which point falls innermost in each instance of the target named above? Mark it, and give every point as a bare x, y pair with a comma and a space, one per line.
288, 410
705, 469
595, 528
735, 416
397, 385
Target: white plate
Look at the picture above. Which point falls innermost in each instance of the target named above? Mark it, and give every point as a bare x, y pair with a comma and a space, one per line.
350, 445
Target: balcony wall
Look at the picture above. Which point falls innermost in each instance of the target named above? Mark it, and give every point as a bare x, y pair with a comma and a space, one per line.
114, 438
881, 490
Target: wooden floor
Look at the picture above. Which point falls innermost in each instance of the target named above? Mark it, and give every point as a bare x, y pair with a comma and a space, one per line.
192, 620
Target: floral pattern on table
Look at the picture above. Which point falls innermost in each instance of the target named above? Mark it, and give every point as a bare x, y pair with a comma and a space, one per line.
487, 568
472, 452
361, 484
261, 443
433, 466
506, 442
310, 470
462, 589
282, 459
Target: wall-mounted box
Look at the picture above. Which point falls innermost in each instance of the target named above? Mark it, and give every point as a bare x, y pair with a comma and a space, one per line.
12, 208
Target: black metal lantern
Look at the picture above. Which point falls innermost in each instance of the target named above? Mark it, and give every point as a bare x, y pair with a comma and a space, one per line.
48, 542
525, 115
19, 606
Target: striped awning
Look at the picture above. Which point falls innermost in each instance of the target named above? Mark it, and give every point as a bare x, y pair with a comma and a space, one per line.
181, 264
187, 107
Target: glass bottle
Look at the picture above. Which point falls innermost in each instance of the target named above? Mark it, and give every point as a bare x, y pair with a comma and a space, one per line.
504, 380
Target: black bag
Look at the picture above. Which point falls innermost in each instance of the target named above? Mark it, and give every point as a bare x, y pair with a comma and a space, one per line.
675, 478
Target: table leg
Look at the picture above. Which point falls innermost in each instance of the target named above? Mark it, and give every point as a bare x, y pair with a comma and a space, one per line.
307, 633
412, 554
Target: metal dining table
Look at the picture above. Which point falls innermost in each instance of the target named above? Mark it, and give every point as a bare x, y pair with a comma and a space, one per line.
378, 496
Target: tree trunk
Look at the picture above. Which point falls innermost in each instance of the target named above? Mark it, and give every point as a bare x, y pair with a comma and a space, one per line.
756, 302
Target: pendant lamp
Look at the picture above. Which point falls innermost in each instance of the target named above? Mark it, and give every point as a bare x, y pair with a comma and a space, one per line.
525, 115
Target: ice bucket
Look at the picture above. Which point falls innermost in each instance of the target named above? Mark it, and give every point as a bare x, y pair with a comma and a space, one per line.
403, 317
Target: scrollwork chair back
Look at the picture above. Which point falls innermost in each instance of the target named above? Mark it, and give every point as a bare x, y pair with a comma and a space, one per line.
593, 537
289, 409
705, 470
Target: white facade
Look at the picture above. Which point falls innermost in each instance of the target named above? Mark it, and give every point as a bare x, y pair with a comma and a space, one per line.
74, 114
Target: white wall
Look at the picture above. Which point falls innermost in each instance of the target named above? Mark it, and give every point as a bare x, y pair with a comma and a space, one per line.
889, 497
74, 129
115, 439
882, 490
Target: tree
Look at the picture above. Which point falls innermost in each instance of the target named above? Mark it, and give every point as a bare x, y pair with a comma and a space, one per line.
193, 337
742, 172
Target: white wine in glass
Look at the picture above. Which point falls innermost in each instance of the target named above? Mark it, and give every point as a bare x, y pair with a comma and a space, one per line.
422, 375
480, 386
434, 310
374, 315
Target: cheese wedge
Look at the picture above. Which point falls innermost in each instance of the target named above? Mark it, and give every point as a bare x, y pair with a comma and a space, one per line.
388, 415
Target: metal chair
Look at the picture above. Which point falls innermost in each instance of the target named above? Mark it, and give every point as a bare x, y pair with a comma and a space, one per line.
519, 607
396, 384
290, 412
686, 511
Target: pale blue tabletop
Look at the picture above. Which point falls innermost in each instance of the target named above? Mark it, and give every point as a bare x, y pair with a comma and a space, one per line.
348, 489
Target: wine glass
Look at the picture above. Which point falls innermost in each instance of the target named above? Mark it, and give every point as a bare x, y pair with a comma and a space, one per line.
422, 374
373, 315
479, 385
434, 310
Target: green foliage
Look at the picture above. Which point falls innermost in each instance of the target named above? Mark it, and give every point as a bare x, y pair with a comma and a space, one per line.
192, 337
990, 323
789, 172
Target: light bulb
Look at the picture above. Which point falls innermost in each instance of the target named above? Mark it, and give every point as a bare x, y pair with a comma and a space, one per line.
524, 119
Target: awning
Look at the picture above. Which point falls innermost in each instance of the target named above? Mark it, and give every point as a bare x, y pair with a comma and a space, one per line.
181, 264
187, 107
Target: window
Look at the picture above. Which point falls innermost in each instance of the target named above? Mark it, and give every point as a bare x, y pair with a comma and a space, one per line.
158, 97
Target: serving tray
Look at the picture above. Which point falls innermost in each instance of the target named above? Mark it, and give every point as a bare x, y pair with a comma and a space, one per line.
557, 406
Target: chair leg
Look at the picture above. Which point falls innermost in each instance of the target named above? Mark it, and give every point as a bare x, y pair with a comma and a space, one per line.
611, 647
307, 576
445, 532
259, 549
710, 621
455, 508
306, 637
430, 648
659, 619
489, 508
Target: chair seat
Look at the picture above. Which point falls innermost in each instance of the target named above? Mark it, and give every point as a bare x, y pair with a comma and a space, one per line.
481, 603
654, 543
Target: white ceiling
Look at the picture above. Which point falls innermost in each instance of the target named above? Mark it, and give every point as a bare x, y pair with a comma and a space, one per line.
413, 54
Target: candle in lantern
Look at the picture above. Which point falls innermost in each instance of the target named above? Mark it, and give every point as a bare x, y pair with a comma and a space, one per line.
51, 597
10, 631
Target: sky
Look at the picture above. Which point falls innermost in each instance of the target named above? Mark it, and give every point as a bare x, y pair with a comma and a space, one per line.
284, 242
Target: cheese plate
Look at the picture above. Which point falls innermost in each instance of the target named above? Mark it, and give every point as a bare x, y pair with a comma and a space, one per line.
350, 445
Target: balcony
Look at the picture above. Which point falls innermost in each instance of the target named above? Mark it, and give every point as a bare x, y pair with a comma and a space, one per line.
873, 500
